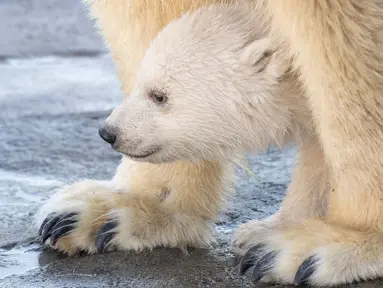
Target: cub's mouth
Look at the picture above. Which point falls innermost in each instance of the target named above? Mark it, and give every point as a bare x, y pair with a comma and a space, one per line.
144, 154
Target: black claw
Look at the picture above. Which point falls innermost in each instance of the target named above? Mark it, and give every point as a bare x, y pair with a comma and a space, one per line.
47, 228
250, 258
263, 266
65, 225
105, 235
58, 226
305, 271
49, 217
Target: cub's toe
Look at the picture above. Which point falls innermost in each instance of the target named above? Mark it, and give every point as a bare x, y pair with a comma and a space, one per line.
104, 235
56, 226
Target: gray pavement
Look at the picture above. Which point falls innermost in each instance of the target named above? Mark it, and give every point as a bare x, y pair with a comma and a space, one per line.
37, 27
57, 85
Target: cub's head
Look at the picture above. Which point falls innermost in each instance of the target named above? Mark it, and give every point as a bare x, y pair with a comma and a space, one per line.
208, 86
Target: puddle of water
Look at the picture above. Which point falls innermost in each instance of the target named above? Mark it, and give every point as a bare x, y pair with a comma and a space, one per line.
18, 260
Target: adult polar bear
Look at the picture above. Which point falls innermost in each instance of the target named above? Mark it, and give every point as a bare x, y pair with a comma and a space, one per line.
329, 229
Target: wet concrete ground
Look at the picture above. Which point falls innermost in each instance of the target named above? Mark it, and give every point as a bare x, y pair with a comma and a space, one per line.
53, 97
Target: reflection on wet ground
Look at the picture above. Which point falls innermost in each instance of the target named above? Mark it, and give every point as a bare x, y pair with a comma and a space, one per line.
19, 258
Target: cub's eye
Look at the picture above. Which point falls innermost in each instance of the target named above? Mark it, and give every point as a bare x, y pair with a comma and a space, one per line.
158, 97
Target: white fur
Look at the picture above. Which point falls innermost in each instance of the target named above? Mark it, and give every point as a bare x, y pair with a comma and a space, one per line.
228, 92
224, 100
224, 95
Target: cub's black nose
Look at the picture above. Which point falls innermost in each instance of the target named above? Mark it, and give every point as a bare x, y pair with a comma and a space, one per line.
107, 135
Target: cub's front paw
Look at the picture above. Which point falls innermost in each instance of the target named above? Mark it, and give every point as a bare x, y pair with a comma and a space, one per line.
75, 217
63, 232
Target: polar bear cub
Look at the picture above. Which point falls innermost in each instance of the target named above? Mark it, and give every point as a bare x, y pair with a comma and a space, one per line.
209, 86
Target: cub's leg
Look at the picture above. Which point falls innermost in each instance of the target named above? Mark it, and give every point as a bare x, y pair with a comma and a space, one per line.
306, 196
144, 206
308, 191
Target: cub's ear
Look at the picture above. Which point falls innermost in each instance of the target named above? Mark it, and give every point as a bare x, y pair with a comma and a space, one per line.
257, 53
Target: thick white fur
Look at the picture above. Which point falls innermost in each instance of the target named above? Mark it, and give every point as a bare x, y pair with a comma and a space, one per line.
161, 213
225, 96
333, 205
226, 87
